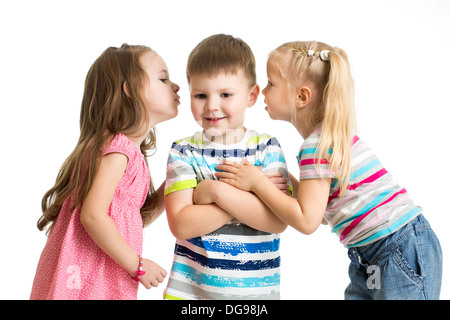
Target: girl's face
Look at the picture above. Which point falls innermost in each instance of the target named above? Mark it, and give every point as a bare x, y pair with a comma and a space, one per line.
278, 98
159, 94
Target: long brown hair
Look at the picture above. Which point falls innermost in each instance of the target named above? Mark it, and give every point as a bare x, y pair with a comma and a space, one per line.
106, 110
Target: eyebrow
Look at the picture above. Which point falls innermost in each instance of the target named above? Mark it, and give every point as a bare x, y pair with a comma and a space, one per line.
219, 90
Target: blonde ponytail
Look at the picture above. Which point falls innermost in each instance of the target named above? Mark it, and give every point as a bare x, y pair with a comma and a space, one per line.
339, 123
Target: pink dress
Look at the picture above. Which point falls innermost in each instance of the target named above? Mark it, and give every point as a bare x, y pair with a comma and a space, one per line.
71, 265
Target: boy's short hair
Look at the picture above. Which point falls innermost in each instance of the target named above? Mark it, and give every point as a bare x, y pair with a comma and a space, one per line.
222, 52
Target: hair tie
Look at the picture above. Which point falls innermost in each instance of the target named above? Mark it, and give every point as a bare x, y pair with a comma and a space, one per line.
324, 55
310, 53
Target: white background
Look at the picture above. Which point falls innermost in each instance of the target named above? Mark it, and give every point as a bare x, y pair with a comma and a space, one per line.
399, 51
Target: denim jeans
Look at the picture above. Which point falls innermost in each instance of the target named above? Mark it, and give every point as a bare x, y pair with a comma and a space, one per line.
406, 265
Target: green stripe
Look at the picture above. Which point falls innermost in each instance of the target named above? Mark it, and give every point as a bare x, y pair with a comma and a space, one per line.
171, 297
181, 185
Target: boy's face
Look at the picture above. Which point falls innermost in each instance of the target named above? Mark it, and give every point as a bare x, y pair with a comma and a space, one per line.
219, 102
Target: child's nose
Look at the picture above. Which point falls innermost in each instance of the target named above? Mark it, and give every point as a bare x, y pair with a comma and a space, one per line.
264, 91
211, 105
175, 88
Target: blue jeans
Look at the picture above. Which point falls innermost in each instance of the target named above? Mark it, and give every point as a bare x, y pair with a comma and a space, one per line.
406, 265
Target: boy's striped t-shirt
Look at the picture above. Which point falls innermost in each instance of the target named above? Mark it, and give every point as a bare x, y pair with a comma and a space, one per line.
235, 261
372, 207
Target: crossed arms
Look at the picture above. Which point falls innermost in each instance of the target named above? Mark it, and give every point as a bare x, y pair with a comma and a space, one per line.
196, 212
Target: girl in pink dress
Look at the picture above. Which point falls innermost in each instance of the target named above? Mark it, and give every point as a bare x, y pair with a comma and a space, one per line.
103, 195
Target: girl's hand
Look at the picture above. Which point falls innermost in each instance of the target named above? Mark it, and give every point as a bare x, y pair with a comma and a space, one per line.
154, 274
242, 176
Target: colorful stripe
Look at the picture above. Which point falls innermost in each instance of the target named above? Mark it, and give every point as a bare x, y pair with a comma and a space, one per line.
226, 264
199, 278
235, 248
313, 161
394, 226
367, 208
368, 180
357, 220
373, 202
181, 185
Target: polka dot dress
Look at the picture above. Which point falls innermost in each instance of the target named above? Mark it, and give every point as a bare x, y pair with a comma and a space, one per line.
71, 265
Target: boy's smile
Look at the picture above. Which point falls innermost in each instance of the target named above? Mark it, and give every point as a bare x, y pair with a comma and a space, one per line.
219, 102
215, 120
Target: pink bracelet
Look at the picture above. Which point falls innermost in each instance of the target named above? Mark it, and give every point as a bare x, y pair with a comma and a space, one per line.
140, 271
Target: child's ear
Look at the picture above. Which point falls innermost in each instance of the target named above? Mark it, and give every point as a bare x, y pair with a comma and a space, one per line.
254, 92
303, 98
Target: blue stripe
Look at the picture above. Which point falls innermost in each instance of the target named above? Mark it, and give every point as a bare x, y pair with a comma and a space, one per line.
393, 227
359, 172
270, 158
173, 158
311, 151
201, 162
186, 149
364, 169
211, 152
221, 281
226, 264
272, 142
366, 208
235, 248
334, 183
274, 157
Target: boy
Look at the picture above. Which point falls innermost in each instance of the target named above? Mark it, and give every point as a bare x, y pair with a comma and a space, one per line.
227, 240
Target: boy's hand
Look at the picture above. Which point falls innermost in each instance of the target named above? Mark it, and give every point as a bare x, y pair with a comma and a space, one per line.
279, 181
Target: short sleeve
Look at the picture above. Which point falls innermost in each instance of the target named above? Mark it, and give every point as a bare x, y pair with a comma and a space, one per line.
180, 173
121, 144
274, 160
308, 161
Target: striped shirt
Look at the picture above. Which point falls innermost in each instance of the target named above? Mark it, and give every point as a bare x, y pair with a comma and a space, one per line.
372, 207
235, 261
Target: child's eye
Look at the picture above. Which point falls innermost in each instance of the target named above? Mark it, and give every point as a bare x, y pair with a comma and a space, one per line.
200, 96
226, 95
164, 80
269, 83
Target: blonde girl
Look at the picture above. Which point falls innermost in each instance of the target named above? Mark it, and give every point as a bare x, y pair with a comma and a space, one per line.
394, 252
103, 195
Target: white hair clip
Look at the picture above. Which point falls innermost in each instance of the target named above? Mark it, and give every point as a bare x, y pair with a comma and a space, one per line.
310, 53
324, 55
